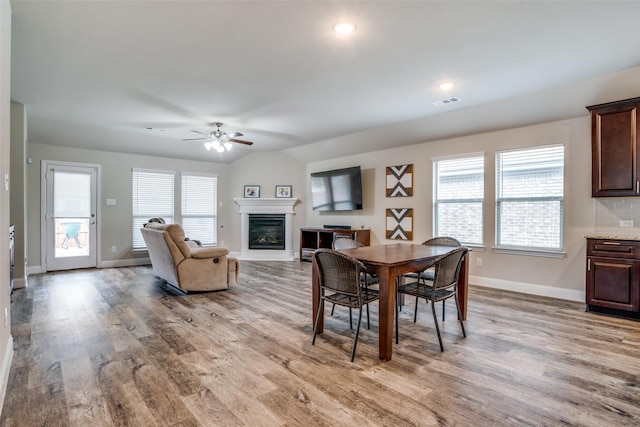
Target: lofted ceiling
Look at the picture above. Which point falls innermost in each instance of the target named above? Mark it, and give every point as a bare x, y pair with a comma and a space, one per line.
98, 74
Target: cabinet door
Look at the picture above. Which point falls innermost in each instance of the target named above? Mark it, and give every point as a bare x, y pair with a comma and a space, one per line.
613, 283
614, 151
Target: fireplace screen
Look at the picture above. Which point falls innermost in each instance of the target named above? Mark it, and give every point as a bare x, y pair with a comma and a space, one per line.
266, 231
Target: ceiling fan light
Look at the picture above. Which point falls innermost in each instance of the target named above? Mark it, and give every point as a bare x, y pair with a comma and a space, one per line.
228, 146
220, 149
208, 145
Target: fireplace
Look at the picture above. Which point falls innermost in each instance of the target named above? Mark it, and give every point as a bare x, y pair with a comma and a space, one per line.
266, 231
272, 215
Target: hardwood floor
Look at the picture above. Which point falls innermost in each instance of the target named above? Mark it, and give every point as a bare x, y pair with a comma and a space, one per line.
112, 347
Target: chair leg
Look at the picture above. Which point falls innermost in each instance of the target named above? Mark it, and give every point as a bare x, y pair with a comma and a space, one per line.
315, 327
415, 312
443, 301
355, 339
333, 307
396, 318
350, 320
464, 333
368, 322
435, 319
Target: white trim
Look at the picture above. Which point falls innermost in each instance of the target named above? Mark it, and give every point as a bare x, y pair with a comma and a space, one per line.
458, 156
529, 288
131, 262
529, 252
20, 283
34, 269
4, 371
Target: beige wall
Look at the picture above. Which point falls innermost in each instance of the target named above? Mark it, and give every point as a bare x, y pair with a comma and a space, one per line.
267, 169
18, 211
114, 221
6, 341
563, 278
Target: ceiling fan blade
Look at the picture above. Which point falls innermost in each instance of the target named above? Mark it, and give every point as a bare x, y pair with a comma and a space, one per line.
234, 134
195, 139
201, 133
239, 141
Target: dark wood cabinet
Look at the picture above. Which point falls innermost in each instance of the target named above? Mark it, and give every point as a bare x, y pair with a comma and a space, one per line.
613, 275
614, 148
315, 238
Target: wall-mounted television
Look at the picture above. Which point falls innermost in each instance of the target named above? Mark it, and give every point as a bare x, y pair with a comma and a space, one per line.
337, 190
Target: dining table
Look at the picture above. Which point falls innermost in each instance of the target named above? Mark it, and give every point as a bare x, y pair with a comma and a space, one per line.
389, 262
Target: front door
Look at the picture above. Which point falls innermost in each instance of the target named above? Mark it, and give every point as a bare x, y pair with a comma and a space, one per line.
70, 215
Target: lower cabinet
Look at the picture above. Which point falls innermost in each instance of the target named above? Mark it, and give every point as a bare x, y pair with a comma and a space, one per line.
613, 276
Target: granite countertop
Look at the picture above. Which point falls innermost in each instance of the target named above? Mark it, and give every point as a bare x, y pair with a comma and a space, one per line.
611, 237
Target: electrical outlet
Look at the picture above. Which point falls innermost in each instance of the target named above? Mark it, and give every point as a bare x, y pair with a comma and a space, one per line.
626, 223
479, 262
114, 249
221, 242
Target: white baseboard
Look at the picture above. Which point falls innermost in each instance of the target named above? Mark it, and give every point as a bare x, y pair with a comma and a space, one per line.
125, 262
37, 269
529, 288
4, 370
20, 283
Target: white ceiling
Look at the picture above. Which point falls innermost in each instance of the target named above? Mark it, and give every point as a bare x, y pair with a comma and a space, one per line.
94, 74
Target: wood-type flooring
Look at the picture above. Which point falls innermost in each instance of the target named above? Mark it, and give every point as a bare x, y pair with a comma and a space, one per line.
112, 347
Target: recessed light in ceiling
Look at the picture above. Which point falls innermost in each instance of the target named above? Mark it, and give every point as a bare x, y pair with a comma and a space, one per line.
446, 85
344, 28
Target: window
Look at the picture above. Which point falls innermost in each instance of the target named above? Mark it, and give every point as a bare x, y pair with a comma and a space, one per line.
152, 193
199, 201
458, 198
529, 197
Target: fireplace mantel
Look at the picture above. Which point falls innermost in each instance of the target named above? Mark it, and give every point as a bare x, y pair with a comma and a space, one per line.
266, 205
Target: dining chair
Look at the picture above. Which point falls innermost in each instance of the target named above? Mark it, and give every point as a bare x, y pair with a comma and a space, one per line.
368, 279
428, 273
443, 286
339, 277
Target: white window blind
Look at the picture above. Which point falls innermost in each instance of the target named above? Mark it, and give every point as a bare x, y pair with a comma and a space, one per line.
458, 198
199, 201
529, 197
152, 197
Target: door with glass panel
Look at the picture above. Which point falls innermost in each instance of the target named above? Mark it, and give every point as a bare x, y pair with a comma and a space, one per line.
70, 216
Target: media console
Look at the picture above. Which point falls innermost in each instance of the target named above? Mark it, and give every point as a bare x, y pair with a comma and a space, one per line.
316, 238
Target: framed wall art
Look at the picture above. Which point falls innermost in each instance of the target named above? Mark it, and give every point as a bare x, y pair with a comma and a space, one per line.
251, 191
283, 191
400, 224
400, 181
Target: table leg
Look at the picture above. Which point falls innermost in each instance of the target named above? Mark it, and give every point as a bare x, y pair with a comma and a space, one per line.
386, 312
463, 286
315, 300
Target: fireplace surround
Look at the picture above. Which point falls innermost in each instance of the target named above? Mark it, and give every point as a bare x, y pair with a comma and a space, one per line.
264, 207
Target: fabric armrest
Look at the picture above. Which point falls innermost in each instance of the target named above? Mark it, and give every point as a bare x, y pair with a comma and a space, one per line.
208, 252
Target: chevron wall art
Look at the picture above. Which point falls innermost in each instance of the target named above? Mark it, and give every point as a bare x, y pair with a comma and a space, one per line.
400, 181
400, 224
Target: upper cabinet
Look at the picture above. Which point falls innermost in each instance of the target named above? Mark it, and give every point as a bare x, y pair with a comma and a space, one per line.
614, 149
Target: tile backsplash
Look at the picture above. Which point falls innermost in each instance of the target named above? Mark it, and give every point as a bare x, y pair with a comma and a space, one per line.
610, 211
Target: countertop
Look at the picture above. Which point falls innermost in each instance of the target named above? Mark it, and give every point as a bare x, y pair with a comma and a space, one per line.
611, 237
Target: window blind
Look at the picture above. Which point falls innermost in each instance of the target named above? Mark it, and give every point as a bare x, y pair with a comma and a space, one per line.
152, 197
199, 202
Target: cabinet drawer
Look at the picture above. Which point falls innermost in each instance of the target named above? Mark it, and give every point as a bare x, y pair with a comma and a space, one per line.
629, 249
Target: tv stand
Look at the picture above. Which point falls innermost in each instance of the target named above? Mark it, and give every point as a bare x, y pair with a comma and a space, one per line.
316, 238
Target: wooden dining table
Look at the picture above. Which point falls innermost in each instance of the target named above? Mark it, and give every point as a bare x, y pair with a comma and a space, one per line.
389, 262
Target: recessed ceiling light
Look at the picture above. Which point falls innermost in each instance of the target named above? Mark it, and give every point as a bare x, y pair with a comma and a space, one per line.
446, 86
344, 27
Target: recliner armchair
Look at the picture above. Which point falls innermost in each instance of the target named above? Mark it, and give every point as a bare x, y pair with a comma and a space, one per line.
184, 264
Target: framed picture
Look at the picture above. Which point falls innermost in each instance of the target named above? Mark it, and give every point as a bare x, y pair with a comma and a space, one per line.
400, 181
283, 191
251, 191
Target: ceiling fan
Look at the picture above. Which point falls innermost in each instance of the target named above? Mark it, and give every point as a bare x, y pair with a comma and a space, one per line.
218, 140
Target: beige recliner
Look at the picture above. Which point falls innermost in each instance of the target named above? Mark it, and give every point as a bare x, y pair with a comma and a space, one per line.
184, 264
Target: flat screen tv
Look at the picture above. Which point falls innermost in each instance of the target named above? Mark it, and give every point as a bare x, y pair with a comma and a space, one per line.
337, 190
